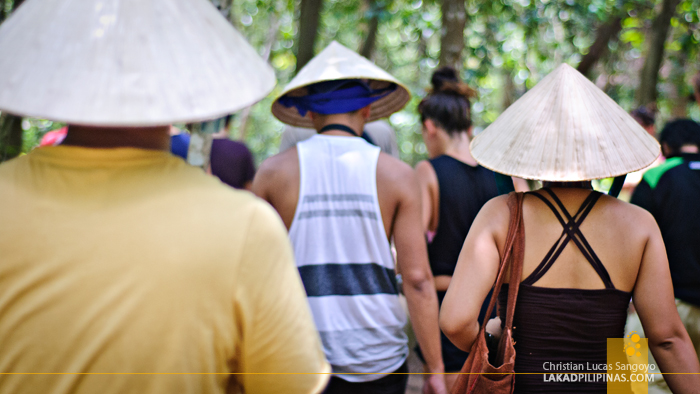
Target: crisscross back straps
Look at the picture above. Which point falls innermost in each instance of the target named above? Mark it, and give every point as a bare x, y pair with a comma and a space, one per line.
571, 232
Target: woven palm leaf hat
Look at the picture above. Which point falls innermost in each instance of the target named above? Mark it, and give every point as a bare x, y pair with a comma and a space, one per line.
564, 129
336, 63
126, 62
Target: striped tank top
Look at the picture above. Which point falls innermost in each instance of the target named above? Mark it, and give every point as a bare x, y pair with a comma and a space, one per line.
344, 258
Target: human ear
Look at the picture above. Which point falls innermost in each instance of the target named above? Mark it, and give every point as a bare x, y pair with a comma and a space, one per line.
665, 149
366, 111
430, 127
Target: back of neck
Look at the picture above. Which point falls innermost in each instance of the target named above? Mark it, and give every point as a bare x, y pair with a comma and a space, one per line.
152, 138
458, 147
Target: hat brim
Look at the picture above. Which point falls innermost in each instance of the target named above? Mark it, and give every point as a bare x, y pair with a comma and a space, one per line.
382, 108
335, 63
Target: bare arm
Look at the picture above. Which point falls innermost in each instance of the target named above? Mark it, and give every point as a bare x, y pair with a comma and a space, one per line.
418, 285
653, 298
427, 181
474, 275
277, 182
261, 182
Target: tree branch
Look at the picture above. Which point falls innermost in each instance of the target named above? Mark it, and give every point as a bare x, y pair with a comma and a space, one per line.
309, 15
605, 33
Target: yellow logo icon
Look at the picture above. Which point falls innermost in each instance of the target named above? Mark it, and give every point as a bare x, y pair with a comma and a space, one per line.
632, 345
628, 364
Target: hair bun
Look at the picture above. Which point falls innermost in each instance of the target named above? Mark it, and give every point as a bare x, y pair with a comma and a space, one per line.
442, 75
445, 80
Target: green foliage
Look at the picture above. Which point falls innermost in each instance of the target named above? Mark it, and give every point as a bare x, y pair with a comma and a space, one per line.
509, 46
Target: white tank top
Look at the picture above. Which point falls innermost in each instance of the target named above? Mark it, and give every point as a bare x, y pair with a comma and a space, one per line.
344, 257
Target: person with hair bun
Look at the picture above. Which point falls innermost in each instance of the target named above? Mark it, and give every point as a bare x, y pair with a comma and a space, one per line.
453, 185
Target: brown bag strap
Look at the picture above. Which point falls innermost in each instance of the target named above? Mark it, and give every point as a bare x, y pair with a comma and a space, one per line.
513, 250
517, 257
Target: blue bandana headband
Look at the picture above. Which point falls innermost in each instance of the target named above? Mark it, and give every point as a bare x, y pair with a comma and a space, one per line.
338, 100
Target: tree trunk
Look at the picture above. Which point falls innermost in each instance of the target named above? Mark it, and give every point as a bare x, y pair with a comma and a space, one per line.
454, 19
309, 15
649, 77
509, 93
375, 10
680, 97
10, 136
605, 33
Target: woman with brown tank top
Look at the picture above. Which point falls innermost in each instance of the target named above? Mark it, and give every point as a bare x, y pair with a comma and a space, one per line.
586, 254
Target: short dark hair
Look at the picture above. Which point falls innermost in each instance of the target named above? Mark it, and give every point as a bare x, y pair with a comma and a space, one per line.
645, 115
447, 104
678, 133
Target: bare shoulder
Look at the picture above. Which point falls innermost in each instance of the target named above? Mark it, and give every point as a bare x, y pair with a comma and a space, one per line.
633, 218
496, 211
394, 171
493, 219
279, 168
424, 166
275, 173
496, 203
279, 163
426, 172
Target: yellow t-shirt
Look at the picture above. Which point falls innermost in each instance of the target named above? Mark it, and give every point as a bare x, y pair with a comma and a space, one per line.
130, 261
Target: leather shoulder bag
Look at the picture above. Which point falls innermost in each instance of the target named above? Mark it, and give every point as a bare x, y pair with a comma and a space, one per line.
478, 375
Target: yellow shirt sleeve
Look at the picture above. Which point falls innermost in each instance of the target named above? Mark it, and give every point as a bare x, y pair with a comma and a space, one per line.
281, 350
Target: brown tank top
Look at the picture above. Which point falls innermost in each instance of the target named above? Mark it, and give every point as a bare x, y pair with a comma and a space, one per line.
555, 328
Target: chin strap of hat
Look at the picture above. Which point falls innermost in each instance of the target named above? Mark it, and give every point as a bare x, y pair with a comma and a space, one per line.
504, 183
616, 187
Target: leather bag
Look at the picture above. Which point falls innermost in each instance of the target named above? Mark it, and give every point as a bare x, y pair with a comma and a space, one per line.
477, 374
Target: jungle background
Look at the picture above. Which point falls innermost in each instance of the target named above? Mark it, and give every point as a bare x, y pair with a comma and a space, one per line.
640, 52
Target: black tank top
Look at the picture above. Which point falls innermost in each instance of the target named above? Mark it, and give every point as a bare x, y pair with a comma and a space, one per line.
559, 325
463, 191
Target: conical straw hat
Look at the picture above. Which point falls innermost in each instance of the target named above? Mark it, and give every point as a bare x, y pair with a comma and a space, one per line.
126, 62
564, 129
334, 63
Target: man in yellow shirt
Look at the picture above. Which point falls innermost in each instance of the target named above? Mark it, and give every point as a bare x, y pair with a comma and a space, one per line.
123, 269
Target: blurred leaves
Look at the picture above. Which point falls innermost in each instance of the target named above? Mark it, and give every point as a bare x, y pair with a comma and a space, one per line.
509, 46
